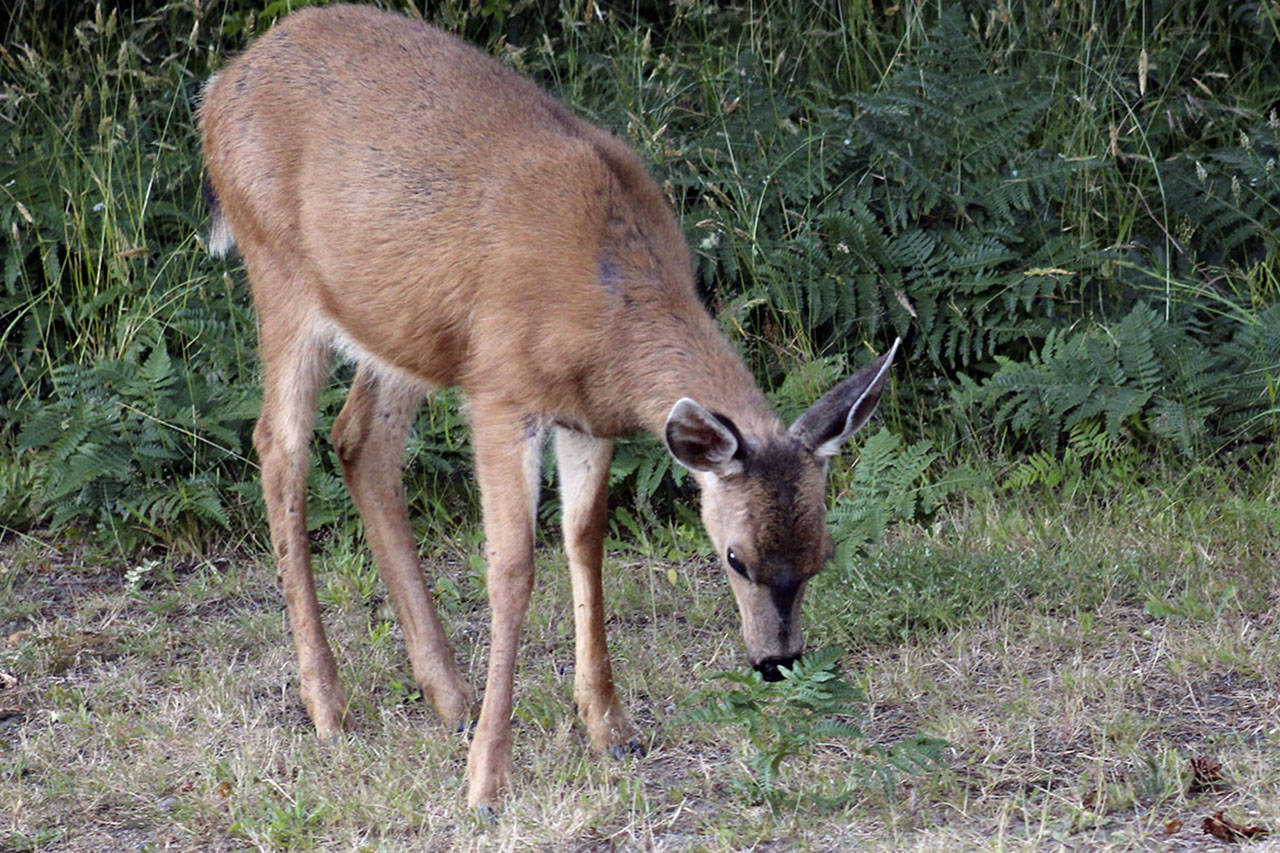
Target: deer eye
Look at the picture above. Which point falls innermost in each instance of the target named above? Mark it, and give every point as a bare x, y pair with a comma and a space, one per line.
736, 564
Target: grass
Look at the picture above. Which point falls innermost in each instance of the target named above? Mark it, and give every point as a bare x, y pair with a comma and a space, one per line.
157, 707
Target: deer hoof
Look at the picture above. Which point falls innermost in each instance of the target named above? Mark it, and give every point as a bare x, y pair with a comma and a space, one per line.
633, 748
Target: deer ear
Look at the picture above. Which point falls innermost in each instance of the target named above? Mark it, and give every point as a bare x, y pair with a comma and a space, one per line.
702, 440
844, 409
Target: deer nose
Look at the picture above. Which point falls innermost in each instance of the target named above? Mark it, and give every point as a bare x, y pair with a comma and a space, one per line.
768, 668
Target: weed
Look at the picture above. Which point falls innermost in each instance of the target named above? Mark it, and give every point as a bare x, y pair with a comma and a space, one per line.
292, 823
811, 704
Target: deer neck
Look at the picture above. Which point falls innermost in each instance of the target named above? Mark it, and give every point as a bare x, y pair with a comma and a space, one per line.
700, 364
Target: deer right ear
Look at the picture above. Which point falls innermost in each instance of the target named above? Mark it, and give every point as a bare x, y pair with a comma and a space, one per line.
844, 409
701, 440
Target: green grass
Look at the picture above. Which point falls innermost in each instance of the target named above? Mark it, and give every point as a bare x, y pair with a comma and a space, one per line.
1155, 544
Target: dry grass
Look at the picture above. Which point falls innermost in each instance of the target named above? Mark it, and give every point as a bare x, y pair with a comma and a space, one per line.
162, 714
1083, 734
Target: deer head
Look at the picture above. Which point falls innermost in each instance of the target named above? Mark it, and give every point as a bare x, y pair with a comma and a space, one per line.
764, 507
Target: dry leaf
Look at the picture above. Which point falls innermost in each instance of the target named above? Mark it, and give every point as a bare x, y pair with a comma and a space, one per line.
1223, 828
905, 303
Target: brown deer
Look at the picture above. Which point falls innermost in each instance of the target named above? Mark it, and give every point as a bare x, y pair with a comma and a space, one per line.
400, 196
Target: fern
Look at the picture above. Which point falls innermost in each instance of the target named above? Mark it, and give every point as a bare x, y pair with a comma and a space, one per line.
887, 484
1141, 375
943, 212
1075, 376
789, 718
122, 439
921, 205
1230, 198
1092, 455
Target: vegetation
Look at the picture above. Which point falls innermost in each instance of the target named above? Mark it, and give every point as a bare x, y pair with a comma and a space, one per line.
1070, 213
812, 704
1070, 216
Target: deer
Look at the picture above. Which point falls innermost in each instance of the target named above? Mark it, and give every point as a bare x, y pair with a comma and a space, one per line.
402, 198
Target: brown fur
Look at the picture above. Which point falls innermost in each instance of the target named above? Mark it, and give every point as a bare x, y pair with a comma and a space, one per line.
399, 195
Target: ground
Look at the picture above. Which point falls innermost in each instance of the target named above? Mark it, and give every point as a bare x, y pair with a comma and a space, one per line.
152, 704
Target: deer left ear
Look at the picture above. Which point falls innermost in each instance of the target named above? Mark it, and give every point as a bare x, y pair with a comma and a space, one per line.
844, 409
703, 441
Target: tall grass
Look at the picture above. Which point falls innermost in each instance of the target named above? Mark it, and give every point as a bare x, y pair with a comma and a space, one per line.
126, 354
1069, 212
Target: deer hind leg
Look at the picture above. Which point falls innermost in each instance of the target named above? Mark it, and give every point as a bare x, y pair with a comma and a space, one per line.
369, 437
508, 449
583, 463
296, 361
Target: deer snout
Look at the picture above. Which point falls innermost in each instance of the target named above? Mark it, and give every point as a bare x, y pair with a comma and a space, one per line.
768, 668
770, 624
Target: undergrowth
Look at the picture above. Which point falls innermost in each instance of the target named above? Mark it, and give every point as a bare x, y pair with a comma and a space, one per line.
1069, 214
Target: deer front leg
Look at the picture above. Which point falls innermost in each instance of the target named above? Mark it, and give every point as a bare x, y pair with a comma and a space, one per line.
508, 454
583, 463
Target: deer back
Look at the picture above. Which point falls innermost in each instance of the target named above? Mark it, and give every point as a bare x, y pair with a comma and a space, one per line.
458, 224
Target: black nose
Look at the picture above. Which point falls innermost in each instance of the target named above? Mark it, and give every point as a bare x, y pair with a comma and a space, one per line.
768, 668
